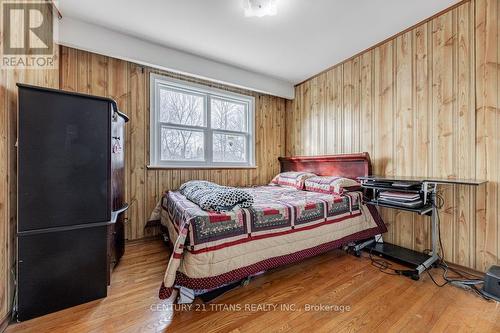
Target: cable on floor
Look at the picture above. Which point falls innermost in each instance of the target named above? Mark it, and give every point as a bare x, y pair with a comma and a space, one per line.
462, 279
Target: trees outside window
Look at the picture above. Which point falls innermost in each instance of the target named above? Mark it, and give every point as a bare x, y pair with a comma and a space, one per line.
199, 126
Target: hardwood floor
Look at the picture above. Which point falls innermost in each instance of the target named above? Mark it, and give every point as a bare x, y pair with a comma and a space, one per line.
366, 300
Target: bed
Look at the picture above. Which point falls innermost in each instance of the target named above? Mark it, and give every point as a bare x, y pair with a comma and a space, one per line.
284, 226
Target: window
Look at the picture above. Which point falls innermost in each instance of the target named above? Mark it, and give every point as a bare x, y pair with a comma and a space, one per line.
198, 126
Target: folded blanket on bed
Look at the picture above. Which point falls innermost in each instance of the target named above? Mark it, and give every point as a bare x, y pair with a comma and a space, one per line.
211, 196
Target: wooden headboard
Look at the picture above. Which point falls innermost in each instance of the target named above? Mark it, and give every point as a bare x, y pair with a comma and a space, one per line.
345, 165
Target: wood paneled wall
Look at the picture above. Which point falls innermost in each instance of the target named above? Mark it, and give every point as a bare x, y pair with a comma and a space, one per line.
8, 169
425, 103
128, 84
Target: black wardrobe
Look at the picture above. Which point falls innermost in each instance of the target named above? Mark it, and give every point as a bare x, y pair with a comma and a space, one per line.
70, 198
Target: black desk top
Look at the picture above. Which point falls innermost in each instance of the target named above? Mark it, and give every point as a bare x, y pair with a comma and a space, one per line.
436, 180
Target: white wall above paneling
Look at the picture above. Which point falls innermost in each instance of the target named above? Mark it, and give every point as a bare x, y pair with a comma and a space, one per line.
304, 38
101, 40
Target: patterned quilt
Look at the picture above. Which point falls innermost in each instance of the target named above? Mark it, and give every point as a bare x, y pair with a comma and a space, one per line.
275, 208
284, 225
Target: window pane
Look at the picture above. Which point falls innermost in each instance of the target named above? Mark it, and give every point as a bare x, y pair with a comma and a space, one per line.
178, 107
181, 145
228, 115
229, 148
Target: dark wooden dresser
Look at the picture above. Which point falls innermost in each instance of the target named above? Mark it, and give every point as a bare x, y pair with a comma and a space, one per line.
70, 232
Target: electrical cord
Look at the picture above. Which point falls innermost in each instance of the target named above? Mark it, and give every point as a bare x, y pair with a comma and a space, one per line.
435, 282
14, 296
463, 279
383, 266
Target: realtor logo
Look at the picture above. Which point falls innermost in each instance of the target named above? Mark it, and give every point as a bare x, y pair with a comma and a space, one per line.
28, 34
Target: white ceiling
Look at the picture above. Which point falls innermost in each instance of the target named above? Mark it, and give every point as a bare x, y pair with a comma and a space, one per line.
304, 38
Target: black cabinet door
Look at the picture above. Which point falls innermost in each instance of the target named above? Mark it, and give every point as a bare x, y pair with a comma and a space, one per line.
119, 237
60, 269
64, 159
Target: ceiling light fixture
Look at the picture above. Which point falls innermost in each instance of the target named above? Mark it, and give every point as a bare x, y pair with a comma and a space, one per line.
260, 8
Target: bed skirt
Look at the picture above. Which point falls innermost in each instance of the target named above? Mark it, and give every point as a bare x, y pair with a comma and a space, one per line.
241, 273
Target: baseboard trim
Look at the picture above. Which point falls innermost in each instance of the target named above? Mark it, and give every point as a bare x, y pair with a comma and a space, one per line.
468, 270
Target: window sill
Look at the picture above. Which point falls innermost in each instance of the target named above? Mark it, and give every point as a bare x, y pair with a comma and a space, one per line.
162, 167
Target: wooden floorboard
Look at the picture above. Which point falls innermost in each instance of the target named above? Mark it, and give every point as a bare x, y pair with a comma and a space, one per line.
368, 300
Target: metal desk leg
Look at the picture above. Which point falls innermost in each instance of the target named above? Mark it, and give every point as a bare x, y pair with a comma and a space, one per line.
358, 247
434, 256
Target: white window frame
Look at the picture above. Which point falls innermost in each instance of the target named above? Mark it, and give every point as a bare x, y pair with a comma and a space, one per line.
156, 82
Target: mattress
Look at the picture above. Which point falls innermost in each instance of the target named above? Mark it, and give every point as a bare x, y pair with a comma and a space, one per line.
284, 225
